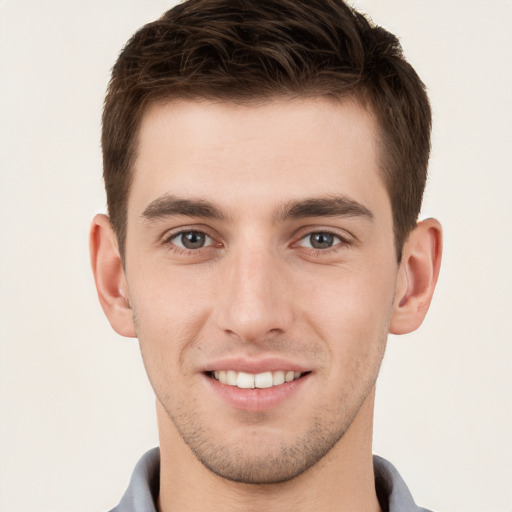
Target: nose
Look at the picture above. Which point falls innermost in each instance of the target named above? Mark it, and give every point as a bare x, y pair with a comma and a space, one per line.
254, 301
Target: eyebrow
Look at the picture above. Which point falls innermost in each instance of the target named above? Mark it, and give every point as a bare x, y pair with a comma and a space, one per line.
169, 206
335, 206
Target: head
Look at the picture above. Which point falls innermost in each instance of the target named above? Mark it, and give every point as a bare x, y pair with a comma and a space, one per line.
264, 166
249, 52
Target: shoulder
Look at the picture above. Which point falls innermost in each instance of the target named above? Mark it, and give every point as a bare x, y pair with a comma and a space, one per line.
392, 491
142, 492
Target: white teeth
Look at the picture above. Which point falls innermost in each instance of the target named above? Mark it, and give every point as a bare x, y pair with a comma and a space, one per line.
263, 380
244, 380
260, 380
278, 378
231, 378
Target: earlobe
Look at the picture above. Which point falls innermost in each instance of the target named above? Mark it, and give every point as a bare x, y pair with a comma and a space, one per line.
417, 278
109, 277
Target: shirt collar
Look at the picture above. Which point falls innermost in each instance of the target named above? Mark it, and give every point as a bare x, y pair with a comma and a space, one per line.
142, 492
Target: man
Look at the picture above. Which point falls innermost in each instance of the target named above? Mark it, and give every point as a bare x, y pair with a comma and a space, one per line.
264, 164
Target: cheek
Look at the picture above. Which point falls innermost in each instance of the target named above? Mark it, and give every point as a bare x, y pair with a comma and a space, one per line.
170, 297
170, 310
351, 309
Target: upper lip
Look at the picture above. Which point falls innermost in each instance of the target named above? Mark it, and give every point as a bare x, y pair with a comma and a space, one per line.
255, 365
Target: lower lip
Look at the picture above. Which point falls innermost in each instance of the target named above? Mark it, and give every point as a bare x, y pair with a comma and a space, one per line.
257, 399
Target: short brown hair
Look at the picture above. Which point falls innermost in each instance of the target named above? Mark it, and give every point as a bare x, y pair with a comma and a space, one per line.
254, 50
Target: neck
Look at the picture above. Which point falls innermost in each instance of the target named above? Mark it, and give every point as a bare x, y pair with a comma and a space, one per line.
342, 480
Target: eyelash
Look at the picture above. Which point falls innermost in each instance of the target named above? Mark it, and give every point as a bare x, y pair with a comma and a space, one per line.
169, 242
343, 242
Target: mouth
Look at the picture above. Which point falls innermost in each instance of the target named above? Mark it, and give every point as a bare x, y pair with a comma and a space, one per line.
244, 380
257, 386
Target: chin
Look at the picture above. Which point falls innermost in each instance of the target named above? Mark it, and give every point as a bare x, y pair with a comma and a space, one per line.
263, 459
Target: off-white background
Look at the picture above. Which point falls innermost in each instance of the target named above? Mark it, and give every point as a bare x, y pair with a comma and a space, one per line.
76, 410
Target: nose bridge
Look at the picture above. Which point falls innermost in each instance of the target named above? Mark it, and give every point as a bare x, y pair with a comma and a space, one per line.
253, 303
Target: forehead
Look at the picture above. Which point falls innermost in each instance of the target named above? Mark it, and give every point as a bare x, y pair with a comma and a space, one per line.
257, 155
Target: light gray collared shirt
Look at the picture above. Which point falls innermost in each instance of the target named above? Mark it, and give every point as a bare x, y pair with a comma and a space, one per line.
142, 493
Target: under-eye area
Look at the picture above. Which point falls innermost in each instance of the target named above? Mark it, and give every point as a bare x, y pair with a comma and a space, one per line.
262, 380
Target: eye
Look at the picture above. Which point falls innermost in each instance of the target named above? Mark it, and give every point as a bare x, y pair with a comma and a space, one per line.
320, 240
191, 240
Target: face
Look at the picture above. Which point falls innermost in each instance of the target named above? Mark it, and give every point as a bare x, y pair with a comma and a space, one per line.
261, 271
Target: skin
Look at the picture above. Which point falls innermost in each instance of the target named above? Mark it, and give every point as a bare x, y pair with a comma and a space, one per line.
257, 286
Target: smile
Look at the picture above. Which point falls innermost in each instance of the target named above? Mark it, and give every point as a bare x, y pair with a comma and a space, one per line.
259, 380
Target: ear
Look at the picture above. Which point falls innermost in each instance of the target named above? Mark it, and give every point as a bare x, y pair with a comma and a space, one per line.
417, 276
109, 277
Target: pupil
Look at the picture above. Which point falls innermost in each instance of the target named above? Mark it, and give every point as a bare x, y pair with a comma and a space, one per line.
321, 240
193, 240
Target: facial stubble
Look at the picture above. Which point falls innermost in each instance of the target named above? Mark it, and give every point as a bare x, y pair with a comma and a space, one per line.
260, 460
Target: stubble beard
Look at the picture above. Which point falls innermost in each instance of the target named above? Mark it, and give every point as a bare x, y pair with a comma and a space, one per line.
275, 463
278, 461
